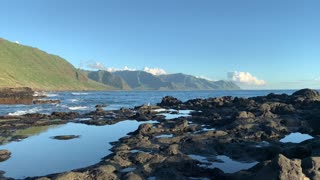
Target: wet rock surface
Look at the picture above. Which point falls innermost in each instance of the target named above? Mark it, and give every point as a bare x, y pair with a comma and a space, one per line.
46, 101
245, 130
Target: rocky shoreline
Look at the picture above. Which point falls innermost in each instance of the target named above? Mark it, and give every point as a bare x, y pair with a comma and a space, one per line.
244, 130
24, 95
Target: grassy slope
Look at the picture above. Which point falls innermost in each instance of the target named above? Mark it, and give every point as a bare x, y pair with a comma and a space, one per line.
26, 66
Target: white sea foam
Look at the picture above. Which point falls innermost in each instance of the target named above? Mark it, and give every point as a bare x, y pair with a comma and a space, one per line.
160, 110
74, 100
23, 112
36, 94
62, 106
78, 107
52, 95
78, 93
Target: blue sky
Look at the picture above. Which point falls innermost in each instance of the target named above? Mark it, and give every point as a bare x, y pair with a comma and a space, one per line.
260, 44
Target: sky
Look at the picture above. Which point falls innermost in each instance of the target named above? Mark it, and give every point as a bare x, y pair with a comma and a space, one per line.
273, 44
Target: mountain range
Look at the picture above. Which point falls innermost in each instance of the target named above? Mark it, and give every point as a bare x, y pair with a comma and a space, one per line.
22, 66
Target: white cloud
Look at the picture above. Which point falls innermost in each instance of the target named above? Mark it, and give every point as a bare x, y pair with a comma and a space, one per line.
96, 65
17, 42
125, 68
101, 66
155, 71
245, 78
204, 77
128, 69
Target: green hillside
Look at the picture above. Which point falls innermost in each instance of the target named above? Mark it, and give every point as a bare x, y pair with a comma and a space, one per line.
107, 78
26, 66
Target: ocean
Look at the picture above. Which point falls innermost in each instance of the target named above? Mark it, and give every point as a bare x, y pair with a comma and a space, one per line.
83, 102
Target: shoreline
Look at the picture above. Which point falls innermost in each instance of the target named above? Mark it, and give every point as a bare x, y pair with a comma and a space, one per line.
137, 90
237, 127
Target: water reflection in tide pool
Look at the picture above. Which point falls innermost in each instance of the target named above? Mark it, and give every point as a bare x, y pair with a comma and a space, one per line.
296, 138
226, 164
179, 113
41, 155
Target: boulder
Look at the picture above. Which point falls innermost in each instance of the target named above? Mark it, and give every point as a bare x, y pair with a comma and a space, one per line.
104, 172
73, 176
265, 107
280, 168
268, 115
245, 115
180, 125
311, 167
277, 97
43, 178
170, 101
121, 159
144, 128
4, 155
282, 108
173, 149
306, 93
122, 147
132, 176
142, 157
289, 169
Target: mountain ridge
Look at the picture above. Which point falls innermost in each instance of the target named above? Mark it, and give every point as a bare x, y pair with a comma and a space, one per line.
141, 80
25, 66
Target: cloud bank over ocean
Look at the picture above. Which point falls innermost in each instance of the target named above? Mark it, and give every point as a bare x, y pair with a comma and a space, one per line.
245, 78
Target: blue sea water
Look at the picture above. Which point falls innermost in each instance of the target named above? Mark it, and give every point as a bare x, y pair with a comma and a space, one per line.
41, 155
83, 102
